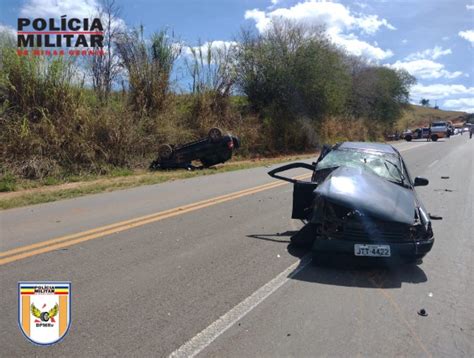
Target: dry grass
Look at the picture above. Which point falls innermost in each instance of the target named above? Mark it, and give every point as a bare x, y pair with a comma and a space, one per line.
43, 194
419, 116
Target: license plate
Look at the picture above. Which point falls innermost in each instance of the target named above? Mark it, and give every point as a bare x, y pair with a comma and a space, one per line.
372, 250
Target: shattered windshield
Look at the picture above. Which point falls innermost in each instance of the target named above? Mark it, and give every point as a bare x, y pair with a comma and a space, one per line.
387, 167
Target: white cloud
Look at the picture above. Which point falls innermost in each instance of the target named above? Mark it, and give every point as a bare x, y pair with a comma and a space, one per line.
7, 29
464, 102
440, 91
55, 8
432, 54
337, 19
360, 4
261, 21
464, 109
454, 97
404, 41
467, 35
470, 7
360, 48
425, 69
370, 24
332, 15
71, 8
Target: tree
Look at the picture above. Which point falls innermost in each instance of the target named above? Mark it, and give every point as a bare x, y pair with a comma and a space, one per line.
106, 68
149, 66
425, 102
292, 70
212, 67
380, 93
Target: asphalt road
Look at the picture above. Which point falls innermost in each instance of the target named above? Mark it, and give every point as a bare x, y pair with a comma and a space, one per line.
206, 269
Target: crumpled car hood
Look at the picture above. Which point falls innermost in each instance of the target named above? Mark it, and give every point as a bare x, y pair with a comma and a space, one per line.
357, 188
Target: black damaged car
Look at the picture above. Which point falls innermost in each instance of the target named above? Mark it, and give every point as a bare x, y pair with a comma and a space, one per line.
216, 148
361, 201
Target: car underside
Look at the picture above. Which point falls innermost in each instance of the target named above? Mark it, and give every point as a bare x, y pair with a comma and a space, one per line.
216, 148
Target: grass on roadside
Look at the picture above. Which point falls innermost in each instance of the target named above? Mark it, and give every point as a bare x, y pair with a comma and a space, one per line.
127, 179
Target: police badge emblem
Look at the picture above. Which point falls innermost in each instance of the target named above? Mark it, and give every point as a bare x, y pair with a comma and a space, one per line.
44, 311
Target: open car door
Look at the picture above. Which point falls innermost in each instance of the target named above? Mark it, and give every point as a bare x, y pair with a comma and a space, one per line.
302, 190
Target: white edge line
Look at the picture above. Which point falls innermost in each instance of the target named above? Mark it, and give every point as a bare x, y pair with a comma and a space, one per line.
204, 338
436, 161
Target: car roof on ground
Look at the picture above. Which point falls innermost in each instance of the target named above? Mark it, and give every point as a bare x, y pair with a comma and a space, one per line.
374, 147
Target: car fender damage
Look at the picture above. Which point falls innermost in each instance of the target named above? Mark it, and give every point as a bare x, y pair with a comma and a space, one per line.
369, 194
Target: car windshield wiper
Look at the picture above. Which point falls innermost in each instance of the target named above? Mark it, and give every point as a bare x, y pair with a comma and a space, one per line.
402, 177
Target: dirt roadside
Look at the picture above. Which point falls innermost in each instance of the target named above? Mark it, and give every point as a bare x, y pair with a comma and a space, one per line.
50, 193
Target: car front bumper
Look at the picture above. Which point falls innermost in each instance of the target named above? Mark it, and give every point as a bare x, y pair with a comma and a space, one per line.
403, 250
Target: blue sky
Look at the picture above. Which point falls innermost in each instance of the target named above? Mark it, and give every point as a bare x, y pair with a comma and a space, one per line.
432, 39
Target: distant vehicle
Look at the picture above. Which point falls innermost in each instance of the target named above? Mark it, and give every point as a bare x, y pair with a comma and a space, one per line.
439, 130
360, 201
214, 149
392, 136
406, 133
418, 133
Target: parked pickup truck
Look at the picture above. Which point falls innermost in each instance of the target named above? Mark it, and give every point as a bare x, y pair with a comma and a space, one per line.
439, 130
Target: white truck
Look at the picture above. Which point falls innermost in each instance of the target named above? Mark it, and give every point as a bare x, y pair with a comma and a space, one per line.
438, 130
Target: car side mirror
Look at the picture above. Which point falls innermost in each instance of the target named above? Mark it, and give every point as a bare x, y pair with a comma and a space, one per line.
419, 181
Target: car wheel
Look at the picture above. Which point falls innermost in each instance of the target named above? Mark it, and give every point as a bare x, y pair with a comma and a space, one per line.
434, 137
408, 138
165, 151
215, 134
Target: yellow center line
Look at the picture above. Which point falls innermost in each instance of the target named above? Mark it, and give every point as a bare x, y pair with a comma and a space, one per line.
68, 240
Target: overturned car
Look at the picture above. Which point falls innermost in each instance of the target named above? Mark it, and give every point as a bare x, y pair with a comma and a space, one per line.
360, 201
216, 148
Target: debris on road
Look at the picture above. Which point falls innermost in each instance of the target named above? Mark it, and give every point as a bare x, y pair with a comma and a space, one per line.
422, 313
444, 177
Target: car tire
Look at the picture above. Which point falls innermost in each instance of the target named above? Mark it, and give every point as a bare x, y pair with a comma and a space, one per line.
408, 138
434, 137
165, 151
215, 134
